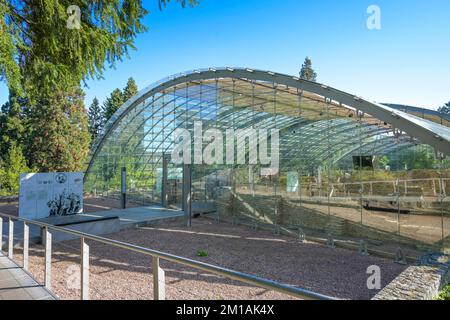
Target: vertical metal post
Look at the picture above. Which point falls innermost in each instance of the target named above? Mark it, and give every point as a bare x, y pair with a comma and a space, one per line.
187, 194
26, 241
251, 179
1, 236
159, 286
48, 259
11, 238
84, 270
183, 196
123, 184
164, 181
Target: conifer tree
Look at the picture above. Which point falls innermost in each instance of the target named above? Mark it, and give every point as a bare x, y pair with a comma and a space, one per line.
130, 89
13, 123
95, 117
48, 48
307, 72
60, 137
445, 108
112, 103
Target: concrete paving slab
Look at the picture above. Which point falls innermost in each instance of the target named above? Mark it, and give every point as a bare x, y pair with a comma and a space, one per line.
139, 215
16, 284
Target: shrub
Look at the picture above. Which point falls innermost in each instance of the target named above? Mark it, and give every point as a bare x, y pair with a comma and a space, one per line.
201, 253
10, 169
444, 294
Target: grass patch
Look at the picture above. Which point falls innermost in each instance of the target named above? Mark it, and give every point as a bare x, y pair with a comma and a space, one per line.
201, 253
444, 294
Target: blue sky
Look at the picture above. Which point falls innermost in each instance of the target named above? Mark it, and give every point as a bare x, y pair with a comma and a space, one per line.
407, 61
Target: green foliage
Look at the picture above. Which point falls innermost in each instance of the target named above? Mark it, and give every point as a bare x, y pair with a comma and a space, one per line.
445, 108
51, 56
60, 138
373, 175
446, 163
118, 97
44, 62
9, 68
384, 161
13, 123
418, 159
112, 103
130, 89
201, 253
307, 72
444, 294
10, 169
39, 52
95, 116
43, 59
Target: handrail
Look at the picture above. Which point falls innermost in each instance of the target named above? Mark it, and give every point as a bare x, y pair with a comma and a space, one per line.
228, 273
389, 181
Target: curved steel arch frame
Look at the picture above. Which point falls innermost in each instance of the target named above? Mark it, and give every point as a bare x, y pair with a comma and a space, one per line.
424, 130
323, 131
427, 132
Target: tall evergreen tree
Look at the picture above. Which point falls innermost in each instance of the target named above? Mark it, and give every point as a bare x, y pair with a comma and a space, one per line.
13, 123
119, 97
47, 49
112, 103
130, 89
47, 60
51, 45
307, 72
56, 48
445, 108
60, 138
95, 116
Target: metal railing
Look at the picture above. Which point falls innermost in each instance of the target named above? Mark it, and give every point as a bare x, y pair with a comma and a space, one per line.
158, 272
437, 185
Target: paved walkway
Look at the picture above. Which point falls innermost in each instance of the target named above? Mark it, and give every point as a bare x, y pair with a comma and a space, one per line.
16, 284
139, 215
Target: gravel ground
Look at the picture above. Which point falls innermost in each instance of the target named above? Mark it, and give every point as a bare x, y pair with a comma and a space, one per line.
120, 274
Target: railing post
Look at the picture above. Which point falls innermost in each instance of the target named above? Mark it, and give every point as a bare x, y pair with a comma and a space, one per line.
123, 187
1, 236
26, 241
164, 184
48, 258
11, 239
84, 270
187, 194
159, 287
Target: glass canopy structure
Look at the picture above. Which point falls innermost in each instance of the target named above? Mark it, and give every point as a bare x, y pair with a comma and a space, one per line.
347, 166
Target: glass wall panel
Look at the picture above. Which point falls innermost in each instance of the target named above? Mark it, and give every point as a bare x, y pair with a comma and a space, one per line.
420, 204
445, 206
342, 172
